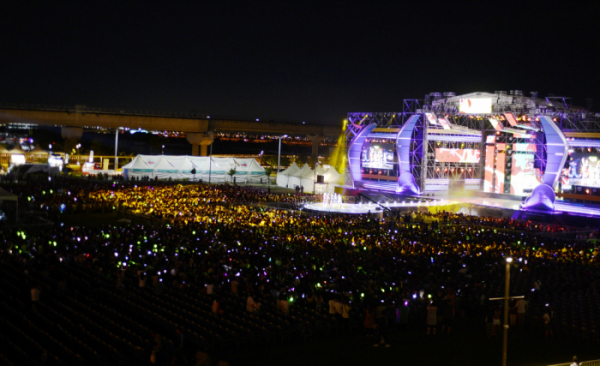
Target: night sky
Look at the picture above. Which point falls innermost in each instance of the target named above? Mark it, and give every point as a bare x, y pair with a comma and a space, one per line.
300, 61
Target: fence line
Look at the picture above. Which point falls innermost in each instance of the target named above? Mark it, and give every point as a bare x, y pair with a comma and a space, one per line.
584, 363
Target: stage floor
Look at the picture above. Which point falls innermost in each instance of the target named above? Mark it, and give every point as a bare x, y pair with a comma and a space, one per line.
510, 203
561, 207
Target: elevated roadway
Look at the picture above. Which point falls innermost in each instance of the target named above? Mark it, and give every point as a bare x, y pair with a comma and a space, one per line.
197, 128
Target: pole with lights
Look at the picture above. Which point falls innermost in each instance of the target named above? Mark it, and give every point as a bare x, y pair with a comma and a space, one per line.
506, 298
211, 133
279, 153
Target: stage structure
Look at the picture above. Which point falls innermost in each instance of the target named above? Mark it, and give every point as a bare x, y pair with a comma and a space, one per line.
497, 143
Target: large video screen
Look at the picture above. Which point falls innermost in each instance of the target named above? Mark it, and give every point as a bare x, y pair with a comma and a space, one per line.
475, 105
378, 156
583, 170
445, 155
489, 168
524, 176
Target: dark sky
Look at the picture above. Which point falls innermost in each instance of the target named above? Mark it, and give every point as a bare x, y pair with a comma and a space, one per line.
298, 60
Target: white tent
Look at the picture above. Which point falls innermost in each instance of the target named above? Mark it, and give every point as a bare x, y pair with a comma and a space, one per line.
332, 178
208, 169
320, 170
249, 170
187, 170
309, 179
182, 167
295, 179
283, 177
167, 167
142, 166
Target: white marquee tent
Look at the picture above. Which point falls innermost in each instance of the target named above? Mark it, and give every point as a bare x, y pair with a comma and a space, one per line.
332, 178
194, 168
283, 177
295, 179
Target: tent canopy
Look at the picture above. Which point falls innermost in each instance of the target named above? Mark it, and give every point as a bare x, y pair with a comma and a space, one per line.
182, 166
38, 151
302, 172
17, 150
7, 196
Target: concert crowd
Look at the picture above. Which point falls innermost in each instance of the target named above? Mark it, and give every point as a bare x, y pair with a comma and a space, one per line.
225, 248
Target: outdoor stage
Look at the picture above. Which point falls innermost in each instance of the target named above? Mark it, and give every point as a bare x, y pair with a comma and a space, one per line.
377, 200
490, 154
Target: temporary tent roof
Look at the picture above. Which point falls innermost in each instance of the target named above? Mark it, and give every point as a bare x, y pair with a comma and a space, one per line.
320, 170
332, 178
17, 150
283, 177
38, 151
249, 169
7, 196
296, 178
167, 167
182, 166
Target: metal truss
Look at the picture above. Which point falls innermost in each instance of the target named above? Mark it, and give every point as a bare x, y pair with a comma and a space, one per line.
422, 153
356, 121
410, 107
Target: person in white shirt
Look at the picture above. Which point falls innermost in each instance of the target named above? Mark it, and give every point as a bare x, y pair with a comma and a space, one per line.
521, 310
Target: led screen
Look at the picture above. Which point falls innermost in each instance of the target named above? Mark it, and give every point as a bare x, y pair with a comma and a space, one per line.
500, 168
475, 105
378, 156
445, 155
489, 168
524, 177
583, 170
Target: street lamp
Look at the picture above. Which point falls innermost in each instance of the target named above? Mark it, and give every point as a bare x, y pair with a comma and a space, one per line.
506, 295
212, 137
279, 154
506, 298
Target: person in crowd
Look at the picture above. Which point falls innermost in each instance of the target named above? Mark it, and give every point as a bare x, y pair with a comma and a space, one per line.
382, 327
547, 317
225, 237
431, 318
521, 306
575, 361
369, 322
36, 291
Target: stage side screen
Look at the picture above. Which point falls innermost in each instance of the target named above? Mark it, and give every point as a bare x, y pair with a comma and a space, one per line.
445, 155
378, 155
500, 168
524, 176
583, 170
488, 182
